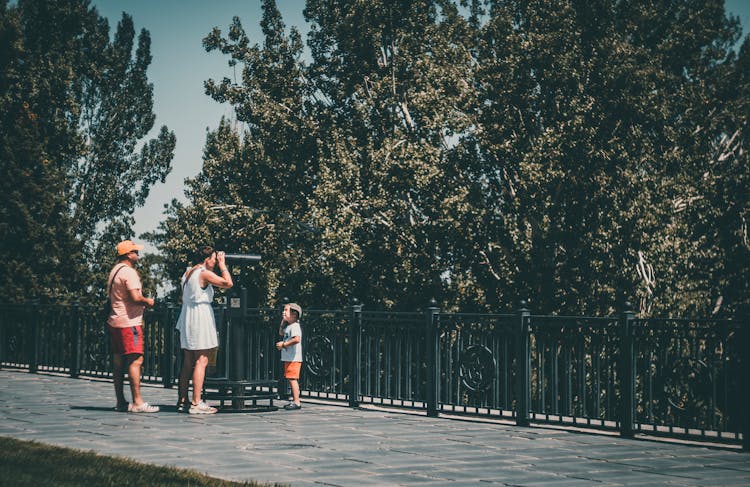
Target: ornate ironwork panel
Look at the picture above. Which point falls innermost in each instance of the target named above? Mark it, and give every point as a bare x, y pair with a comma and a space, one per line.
15, 321
688, 376
54, 326
393, 358
158, 331
476, 362
96, 351
263, 360
574, 369
326, 352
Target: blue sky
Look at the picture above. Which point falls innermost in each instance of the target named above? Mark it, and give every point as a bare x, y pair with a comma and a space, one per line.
180, 66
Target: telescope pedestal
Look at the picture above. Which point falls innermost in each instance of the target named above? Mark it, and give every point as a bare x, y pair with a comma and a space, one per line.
235, 387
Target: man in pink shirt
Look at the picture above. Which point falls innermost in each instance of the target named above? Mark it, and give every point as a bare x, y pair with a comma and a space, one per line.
126, 326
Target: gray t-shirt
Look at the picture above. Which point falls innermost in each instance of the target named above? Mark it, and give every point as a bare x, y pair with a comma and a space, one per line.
292, 353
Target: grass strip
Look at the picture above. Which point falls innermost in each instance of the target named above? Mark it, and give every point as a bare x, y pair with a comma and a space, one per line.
28, 463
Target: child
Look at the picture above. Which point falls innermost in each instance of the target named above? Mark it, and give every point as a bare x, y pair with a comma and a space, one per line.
291, 350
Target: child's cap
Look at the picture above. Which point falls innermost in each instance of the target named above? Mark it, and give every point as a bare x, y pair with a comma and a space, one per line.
296, 307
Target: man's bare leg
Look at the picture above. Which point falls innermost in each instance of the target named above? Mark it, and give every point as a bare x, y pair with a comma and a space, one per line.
118, 378
135, 361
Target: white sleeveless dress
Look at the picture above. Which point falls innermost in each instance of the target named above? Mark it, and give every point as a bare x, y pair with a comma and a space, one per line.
196, 324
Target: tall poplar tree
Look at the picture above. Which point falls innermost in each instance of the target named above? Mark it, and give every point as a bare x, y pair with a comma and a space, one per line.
252, 195
342, 176
75, 107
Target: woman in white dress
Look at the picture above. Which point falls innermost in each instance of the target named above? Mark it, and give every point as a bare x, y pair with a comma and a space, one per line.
197, 325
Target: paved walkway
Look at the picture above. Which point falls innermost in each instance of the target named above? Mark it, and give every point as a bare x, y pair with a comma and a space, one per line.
326, 444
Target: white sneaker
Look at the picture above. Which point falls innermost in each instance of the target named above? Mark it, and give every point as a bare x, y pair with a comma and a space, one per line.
202, 408
143, 408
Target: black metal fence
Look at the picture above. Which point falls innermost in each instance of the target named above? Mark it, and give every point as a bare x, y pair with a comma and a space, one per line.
672, 377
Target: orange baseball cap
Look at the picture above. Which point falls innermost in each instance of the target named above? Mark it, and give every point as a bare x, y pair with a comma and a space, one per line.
127, 246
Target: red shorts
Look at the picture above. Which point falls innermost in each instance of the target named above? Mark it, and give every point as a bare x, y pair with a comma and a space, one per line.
126, 341
291, 370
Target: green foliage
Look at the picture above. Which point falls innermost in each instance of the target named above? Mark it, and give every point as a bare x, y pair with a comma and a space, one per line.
75, 108
572, 153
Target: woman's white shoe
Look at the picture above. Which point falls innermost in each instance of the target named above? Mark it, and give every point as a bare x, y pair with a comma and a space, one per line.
202, 408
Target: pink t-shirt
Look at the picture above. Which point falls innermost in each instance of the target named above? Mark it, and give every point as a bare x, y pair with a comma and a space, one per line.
125, 313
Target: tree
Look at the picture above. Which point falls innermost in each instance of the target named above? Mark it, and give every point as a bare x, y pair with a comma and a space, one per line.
251, 194
75, 106
488, 152
713, 206
310, 161
395, 76
586, 110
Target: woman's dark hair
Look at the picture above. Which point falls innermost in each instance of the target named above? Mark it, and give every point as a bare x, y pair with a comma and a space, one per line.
201, 253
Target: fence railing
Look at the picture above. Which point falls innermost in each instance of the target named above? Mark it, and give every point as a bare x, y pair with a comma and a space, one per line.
673, 377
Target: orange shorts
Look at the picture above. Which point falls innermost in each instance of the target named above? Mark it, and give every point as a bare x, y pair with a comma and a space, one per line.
126, 340
291, 370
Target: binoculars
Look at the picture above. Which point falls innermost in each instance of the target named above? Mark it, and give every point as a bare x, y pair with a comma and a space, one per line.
242, 258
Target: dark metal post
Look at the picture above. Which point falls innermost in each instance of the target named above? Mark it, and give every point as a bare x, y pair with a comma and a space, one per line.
168, 361
33, 345
237, 371
222, 324
355, 337
744, 322
238, 335
433, 367
523, 358
627, 372
282, 387
75, 332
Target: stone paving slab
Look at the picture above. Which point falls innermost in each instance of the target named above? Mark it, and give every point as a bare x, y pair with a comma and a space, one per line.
329, 444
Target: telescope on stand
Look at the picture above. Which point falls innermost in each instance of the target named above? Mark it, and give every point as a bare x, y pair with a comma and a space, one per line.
243, 258
235, 386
